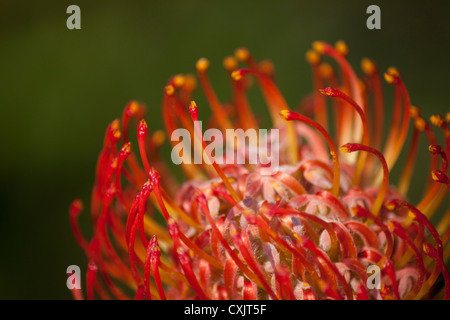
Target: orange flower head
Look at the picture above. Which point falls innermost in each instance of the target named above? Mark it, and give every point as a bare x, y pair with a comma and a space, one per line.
326, 223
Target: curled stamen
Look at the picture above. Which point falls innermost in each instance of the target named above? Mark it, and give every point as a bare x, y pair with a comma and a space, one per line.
91, 278
184, 260
276, 103
154, 180
218, 111
405, 180
398, 230
305, 231
291, 115
320, 109
331, 92
142, 133
371, 70
75, 210
193, 110
397, 135
251, 262
352, 147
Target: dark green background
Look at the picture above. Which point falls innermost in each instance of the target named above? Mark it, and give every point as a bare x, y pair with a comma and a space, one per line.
59, 89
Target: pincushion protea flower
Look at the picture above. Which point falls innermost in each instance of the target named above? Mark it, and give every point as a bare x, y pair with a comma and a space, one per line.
309, 230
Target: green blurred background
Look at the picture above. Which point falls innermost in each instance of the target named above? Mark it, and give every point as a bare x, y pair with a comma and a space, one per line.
59, 89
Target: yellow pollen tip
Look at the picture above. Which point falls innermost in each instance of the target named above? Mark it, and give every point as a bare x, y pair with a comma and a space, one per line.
114, 163
414, 112
344, 149
312, 57
190, 82
389, 78
134, 107
326, 70
115, 125
180, 251
367, 66
193, 105
433, 148
342, 48
236, 75
434, 176
390, 226
179, 80
143, 123
437, 120
127, 147
230, 63
411, 215
391, 75
393, 71
285, 114
420, 123
267, 67
318, 46
169, 90
158, 137
362, 86
242, 54
117, 134
202, 64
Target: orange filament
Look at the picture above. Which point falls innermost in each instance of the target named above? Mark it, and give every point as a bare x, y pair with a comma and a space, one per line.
216, 107
135, 110
434, 195
320, 109
142, 133
398, 230
439, 121
330, 92
172, 106
352, 147
291, 115
193, 110
75, 209
246, 117
405, 179
152, 261
250, 260
341, 111
243, 55
425, 127
371, 70
398, 135
327, 49
154, 180
267, 67
276, 103
201, 200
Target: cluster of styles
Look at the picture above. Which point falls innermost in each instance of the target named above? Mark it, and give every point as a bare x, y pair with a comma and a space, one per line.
308, 230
